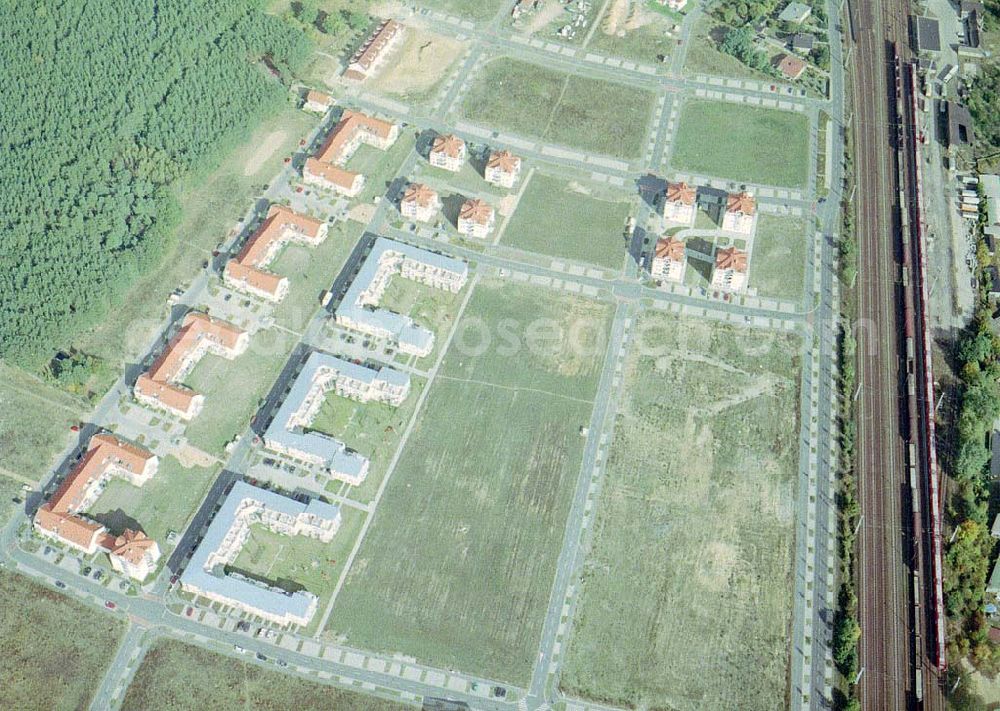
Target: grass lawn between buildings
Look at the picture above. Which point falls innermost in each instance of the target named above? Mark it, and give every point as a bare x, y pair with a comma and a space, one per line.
473, 9
373, 429
55, 650
569, 219
457, 567
778, 263
298, 562
233, 389
34, 422
175, 676
742, 143
687, 591
164, 503
430, 308
531, 100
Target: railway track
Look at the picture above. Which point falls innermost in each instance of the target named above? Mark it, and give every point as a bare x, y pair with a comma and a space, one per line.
899, 649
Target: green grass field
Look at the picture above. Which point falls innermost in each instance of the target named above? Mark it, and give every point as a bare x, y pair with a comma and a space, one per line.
569, 219
310, 270
210, 205
724, 140
430, 308
380, 167
34, 422
778, 266
646, 43
473, 9
531, 100
164, 503
298, 562
687, 590
374, 429
233, 389
457, 567
54, 650
175, 676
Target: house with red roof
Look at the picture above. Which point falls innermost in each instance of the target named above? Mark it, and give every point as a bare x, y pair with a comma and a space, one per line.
680, 204
730, 272
669, 263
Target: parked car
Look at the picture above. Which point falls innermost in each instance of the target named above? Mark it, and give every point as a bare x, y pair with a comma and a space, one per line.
110, 605
85, 570
60, 584
281, 662
260, 657
239, 649
174, 579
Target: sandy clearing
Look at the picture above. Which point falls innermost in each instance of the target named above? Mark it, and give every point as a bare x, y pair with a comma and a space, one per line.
613, 19
550, 11
264, 150
362, 213
420, 63
190, 456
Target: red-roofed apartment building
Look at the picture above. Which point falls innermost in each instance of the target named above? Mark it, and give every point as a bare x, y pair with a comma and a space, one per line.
668, 262
448, 152
419, 202
679, 204
476, 218
325, 169
740, 213
248, 270
370, 55
730, 271
317, 102
62, 517
502, 168
160, 386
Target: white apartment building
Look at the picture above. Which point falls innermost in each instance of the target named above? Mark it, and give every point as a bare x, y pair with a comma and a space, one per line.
502, 168
448, 152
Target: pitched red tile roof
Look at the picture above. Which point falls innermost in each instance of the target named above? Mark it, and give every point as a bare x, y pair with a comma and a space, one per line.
791, 66
376, 43
741, 202
318, 97
681, 192
158, 381
449, 144
422, 195
351, 122
331, 173
731, 258
476, 211
58, 514
669, 248
506, 161
261, 247
132, 546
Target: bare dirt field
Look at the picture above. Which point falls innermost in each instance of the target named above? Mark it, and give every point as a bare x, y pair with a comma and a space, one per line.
687, 590
265, 150
541, 19
419, 65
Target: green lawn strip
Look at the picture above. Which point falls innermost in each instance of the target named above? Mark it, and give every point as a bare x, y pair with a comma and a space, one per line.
233, 389
175, 676
380, 167
777, 266
647, 43
572, 220
473, 9
531, 100
687, 594
310, 271
741, 142
210, 207
34, 422
299, 562
164, 503
373, 429
468, 181
55, 650
10, 493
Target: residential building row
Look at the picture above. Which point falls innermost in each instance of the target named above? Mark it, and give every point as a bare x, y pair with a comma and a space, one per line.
326, 169
680, 206
248, 271
669, 264
63, 517
372, 53
289, 432
420, 202
360, 310
449, 152
207, 574
161, 386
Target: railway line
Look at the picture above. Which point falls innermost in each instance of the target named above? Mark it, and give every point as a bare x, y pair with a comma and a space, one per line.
899, 583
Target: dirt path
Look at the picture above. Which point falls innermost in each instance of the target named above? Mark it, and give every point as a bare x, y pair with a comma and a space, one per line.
264, 151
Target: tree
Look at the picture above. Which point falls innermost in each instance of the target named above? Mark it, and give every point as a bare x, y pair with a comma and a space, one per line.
355, 20
307, 12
